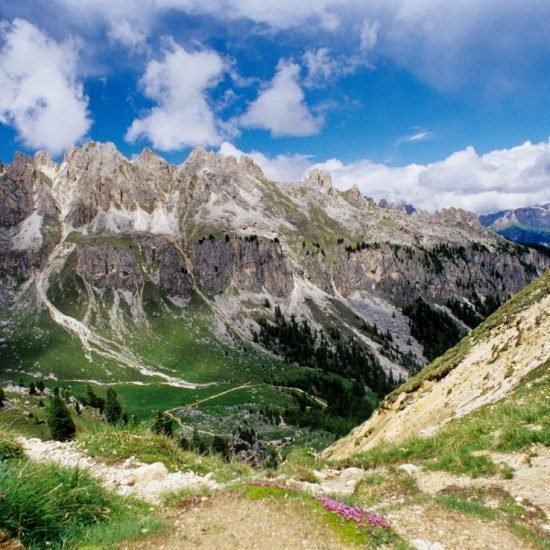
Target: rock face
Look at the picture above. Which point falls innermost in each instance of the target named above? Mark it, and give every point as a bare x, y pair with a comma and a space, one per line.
109, 267
174, 278
217, 226
260, 265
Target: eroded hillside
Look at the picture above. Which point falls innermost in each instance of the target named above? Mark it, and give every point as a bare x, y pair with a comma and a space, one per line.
483, 369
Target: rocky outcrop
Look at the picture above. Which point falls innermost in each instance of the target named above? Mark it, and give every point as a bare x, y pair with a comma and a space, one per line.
320, 180
260, 265
109, 267
173, 275
403, 273
100, 179
16, 191
213, 264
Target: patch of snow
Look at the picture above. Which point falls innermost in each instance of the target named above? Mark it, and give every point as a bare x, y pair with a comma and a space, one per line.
27, 234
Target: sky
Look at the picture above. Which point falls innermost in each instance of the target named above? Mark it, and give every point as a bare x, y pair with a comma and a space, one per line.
437, 103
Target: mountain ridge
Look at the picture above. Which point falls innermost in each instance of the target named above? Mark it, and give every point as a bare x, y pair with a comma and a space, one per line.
102, 244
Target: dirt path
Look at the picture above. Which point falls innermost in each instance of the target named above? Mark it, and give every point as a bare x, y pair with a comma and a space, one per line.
233, 521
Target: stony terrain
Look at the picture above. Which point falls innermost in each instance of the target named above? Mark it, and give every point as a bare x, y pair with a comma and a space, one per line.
150, 482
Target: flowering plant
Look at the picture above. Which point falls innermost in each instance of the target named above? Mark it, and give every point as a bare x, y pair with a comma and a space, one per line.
353, 513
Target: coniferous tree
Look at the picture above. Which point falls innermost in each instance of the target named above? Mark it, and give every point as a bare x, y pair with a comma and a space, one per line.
32, 389
2, 397
113, 409
162, 424
40, 386
60, 422
92, 400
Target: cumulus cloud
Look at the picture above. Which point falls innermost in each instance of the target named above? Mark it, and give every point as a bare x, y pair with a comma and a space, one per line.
486, 46
40, 95
281, 107
498, 180
129, 35
285, 168
178, 83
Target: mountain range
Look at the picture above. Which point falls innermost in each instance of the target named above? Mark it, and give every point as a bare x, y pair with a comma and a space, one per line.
169, 279
528, 225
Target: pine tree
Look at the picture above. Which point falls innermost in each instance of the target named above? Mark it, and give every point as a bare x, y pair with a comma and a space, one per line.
32, 389
162, 424
92, 400
40, 386
2, 397
59, 420
113, 410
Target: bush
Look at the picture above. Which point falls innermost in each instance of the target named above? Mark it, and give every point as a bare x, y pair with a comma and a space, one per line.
162, 425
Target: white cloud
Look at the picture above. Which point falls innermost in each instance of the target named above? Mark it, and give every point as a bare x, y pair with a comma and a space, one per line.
507, 178
285, 168
421, 135
322, 67
40, 95
369, 34
178, 84
280, 14
501, 179
129, 35
281, 108
455, 45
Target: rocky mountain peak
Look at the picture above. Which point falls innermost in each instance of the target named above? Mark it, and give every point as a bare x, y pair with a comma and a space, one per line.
355, 194
43, 159
200, 159
248, 166
101, 158
22, 168
321, 180
459, 217
150, 162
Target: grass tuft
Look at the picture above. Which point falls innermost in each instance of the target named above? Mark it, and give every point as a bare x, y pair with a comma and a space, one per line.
44, 505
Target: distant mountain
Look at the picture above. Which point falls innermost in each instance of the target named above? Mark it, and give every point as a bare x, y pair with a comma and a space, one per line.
179, 281
529, 225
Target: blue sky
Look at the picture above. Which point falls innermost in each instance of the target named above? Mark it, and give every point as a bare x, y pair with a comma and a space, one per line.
436, 102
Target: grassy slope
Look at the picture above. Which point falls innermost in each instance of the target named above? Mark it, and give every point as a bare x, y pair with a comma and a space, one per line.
439, 368
514, 423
